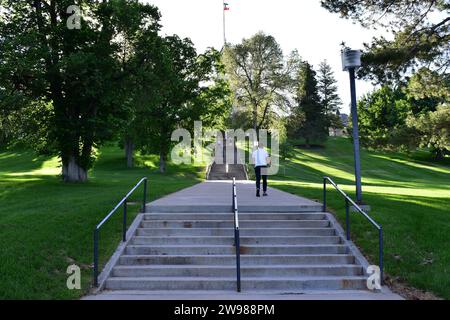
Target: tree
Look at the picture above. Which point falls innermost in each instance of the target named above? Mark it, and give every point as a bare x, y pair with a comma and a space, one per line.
433, 130
421, 30
172, 86
75, 71
327, 89
308, 119
427, 89
382, 114
256, 72
328, 94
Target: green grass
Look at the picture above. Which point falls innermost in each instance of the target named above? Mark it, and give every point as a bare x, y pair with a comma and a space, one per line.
46, 225
410, 198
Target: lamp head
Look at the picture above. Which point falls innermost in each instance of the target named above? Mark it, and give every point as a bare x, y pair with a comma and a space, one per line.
350, 59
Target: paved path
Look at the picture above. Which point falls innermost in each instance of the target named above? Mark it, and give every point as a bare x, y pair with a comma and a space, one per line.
215, 196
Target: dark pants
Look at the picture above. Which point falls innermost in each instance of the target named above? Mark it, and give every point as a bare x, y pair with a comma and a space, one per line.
258, 179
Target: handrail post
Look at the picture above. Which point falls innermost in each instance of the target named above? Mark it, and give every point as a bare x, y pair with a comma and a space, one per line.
347, 219
144, 203
380, 239
96, 257
124, 229
123, 202
324, 209
238, 260
233, 200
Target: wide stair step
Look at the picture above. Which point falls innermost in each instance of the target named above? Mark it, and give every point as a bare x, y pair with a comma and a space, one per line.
228, 216
230, 259
249, 283
228, 249
230, 271
228, 231
242, 223
211, 240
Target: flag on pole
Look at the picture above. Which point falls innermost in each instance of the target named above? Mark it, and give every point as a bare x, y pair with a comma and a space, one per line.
225, 6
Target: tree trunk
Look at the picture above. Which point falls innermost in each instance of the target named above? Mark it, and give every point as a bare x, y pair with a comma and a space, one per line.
72, 172
307, 144
162, 162
255, 119
439, 154
129, 151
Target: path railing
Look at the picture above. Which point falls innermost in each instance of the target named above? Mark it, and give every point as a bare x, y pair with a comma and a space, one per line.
237, 237
349, 201
123, 203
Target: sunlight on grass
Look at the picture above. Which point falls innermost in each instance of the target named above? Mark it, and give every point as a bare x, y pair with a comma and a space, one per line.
433, 167
49, 167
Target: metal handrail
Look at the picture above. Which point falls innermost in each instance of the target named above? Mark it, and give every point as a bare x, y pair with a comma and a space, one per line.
237, 237
348, 201
124, 222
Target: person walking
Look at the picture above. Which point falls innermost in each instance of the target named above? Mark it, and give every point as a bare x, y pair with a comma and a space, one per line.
261, 160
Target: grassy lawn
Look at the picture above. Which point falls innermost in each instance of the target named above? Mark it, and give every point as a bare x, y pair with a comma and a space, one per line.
46, 225
410, 197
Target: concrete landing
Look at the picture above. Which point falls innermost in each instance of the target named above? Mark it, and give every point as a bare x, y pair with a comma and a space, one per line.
230, 296
215, 197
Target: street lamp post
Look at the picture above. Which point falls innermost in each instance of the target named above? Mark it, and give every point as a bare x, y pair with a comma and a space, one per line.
351, 60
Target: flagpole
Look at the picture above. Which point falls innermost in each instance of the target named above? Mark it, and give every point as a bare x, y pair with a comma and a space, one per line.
224, 26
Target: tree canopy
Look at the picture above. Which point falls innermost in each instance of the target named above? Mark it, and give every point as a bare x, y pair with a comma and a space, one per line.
421, 35
257, 75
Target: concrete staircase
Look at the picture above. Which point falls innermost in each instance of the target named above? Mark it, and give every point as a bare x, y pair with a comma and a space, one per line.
219, 172
280, 252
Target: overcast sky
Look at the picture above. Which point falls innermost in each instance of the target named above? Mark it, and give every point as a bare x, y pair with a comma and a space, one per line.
295, 24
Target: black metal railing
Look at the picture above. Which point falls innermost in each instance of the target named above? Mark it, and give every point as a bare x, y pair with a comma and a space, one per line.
237, 240
123, 203
349, 201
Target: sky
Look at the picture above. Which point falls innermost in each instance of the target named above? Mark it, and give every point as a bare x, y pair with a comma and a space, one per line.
296, 24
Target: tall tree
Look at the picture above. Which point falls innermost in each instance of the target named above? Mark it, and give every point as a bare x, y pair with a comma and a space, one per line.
327, 89
76, 71
309, 119
257, 74
172, 81
421, 30
328, 94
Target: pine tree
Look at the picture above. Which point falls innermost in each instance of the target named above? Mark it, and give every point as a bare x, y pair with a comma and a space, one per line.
309, 109
328, 93
328, 90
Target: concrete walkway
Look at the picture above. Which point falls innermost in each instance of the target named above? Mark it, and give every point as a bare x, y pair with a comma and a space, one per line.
215, 196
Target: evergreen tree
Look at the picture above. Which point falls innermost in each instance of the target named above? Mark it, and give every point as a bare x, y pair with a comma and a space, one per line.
328, 93
308, 120
327, 89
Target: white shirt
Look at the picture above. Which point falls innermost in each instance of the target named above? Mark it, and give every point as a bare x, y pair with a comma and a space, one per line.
260, 156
